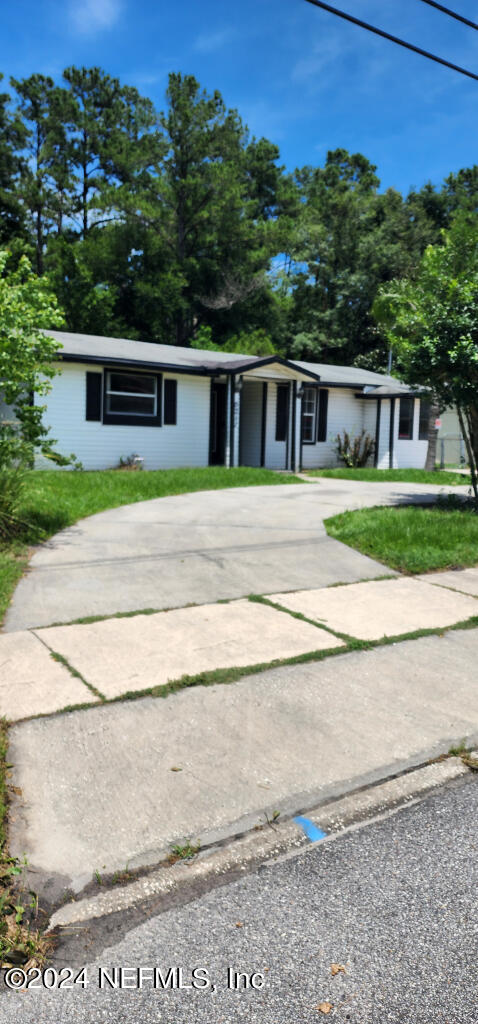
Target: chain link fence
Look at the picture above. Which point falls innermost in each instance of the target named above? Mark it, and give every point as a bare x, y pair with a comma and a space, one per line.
451, 451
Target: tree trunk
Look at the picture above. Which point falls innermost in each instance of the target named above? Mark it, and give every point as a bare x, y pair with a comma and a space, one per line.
432, 436
471, 443
39, 241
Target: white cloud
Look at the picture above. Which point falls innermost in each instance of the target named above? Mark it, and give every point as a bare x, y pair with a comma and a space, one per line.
90, 16
208, 42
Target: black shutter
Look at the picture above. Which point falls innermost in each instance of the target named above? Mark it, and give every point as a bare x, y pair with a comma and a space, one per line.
281, 411
93, 396
170, 402
322, 418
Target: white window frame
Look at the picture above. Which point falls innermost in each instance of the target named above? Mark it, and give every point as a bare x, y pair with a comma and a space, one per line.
309, 415
131, 394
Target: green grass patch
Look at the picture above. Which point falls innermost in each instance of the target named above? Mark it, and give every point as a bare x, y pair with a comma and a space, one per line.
13, 562
55, 499
21, 940
439, 478
411, 538
76, 675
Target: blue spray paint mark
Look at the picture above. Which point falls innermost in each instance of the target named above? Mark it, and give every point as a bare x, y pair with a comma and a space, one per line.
312, 831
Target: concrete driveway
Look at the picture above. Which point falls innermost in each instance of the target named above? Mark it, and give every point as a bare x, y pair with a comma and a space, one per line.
198, 548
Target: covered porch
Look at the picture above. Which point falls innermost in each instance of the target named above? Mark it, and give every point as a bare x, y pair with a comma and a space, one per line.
255, 414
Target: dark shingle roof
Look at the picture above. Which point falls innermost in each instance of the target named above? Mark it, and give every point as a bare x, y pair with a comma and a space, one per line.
124, 350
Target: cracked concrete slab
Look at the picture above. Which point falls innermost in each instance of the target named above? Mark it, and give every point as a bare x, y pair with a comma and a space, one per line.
285, 739
124, 654
31, 682
465, 580
370, 611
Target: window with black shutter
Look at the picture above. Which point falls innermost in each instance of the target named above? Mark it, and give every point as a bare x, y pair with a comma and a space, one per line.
170, 402
322, 417
281, 411
93, 395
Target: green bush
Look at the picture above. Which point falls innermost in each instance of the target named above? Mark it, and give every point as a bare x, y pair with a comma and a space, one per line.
12, 479
355, 451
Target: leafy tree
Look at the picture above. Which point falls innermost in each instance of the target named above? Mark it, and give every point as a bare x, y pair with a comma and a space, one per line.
348, 239
27, 307
110, 143
211, 206
254, 343
46, 174
431, 321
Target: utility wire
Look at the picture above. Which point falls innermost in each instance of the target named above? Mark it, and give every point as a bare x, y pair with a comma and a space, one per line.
393, 39
452, 14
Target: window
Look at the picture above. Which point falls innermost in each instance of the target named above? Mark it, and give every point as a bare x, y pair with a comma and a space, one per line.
282, 410
309, 403
131, 393
424, 417
132, 398
405, 422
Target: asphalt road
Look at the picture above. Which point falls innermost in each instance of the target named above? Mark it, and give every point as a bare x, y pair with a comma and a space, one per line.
393, 902
197, 548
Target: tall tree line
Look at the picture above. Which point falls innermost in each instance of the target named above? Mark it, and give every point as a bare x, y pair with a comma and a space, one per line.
178, 227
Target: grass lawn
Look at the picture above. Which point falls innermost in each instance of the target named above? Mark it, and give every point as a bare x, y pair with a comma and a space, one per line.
442, 478
412, 538
55, 499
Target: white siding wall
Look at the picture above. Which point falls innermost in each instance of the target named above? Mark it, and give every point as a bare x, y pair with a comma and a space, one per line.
406, 454
409, 454
6, 412
369, 417
251, 423
345, 412
275, 456
383, 446
100, 446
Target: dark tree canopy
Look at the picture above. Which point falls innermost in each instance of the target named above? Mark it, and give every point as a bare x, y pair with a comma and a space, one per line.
178, 226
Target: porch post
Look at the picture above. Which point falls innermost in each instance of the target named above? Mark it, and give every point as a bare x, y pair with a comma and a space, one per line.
391, 436
377, 433
296, 466
236, 426
292, 423
227, 456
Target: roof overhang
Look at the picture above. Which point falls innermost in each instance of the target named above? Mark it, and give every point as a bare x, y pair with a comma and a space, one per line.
389, 393
138, 364
253, 367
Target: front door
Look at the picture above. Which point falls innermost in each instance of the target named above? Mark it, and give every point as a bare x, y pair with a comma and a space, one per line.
217, 436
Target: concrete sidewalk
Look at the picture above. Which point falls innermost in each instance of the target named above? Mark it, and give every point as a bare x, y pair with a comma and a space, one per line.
101, 787
118, 656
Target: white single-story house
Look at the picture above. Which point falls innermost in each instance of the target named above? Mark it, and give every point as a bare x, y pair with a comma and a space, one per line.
185, 407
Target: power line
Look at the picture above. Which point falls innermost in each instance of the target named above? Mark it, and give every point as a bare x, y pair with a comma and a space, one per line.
452, 14
393, 39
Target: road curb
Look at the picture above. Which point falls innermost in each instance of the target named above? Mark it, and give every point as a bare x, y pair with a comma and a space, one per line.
266, 843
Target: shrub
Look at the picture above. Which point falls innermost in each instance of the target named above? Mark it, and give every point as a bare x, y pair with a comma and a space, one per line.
11, 487
355, 451
132, 461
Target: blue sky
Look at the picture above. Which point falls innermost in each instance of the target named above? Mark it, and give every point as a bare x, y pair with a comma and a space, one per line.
303, 78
